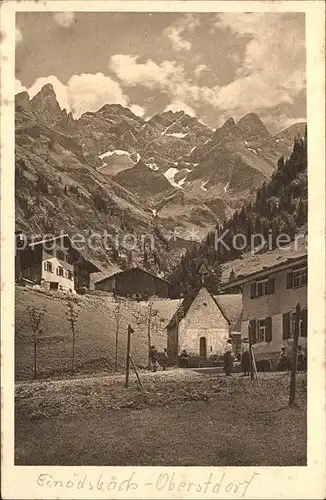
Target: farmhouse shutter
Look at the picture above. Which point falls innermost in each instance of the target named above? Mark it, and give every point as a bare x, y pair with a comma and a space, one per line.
305, 323
268, 329
45, 268
252, 331
289, 280
271, 285
253, 290
286, 326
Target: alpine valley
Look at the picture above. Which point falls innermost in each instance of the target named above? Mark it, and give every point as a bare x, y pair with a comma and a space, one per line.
170, 177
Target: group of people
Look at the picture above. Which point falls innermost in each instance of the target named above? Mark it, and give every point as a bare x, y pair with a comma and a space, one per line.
161, 358
158, 359
229, 357
285, 361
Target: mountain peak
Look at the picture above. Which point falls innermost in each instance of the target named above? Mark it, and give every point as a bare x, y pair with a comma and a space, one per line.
174, 114
117, 110
229, 123
47, 89
222, 132
113, 108
45, 103
251, 126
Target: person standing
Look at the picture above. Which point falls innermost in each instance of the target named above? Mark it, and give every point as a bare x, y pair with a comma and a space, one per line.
228, 357
164, 359
245, 357
153, 358
283, 361
184, 359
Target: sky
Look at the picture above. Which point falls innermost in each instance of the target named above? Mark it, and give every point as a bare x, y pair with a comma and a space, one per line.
211, 65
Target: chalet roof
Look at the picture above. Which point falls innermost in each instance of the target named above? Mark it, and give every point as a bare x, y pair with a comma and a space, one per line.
132, 269
229, 305
262, 264
92, 268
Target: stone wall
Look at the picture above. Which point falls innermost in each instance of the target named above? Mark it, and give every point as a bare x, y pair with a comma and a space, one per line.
203, 319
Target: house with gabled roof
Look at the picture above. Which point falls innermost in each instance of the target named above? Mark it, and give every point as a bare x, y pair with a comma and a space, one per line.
135, 281
271, 283
55, 263
203, 323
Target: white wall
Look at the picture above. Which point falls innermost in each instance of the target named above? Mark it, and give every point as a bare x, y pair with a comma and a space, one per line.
283, 300
63, 281
203, 321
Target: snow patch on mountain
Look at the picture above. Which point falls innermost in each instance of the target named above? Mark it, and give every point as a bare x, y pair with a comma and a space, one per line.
203, 186
226, 187
152, 166
178, 135
118, 152
253, 150
170, 173
182, 181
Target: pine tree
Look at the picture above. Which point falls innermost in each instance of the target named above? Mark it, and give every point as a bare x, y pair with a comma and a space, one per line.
280, 207
280, 163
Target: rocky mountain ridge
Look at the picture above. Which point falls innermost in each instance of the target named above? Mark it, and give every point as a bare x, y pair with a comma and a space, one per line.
170, 175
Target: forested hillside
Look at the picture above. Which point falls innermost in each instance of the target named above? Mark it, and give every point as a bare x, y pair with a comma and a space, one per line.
280, 207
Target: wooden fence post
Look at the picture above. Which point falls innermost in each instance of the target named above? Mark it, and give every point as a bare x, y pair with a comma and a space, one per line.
35, 354
149, 324
117, 311
136, 372
294, 354
251, 364
130, 331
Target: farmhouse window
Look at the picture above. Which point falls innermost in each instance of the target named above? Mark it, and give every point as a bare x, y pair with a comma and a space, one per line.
261, 330
302, 324
60, 271
296, 278
70, 275
262, 287
289, 324
48, 266
299, 278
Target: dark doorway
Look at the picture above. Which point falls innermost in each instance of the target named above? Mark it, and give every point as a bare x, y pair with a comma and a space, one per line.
54, 285
202, 347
